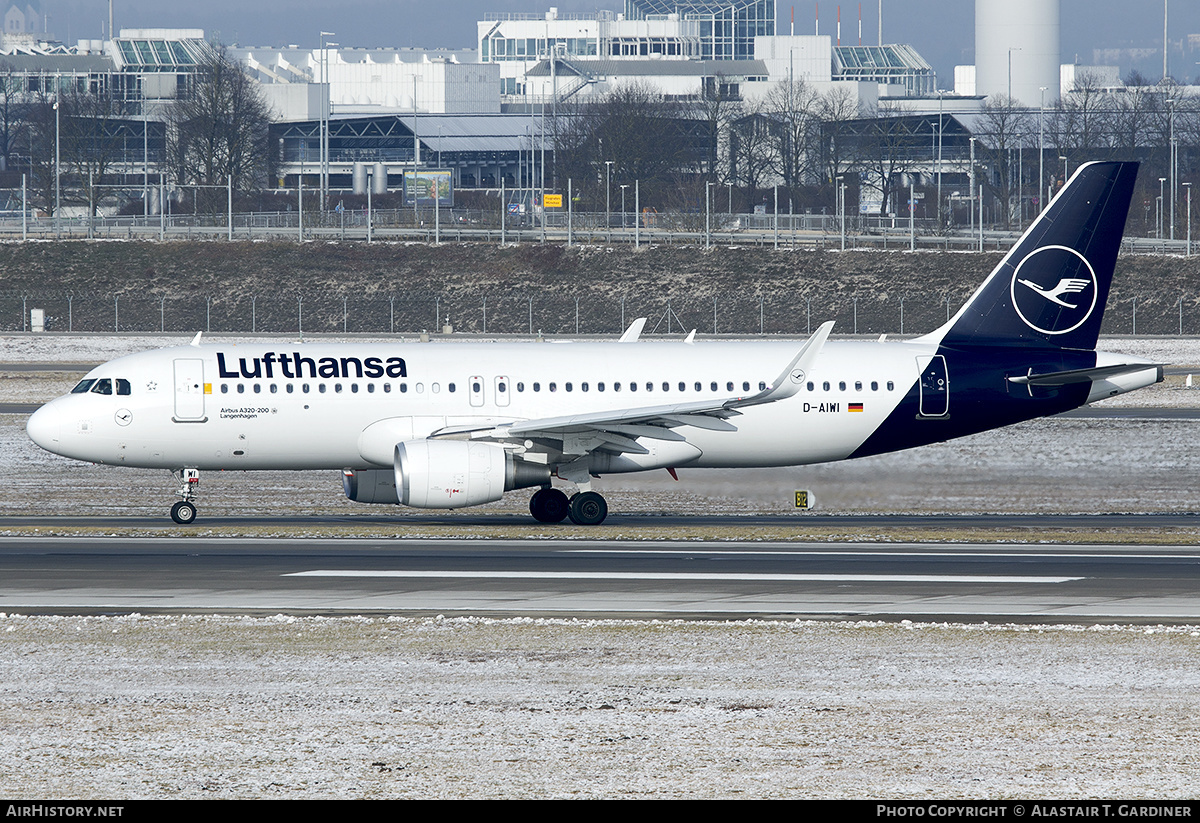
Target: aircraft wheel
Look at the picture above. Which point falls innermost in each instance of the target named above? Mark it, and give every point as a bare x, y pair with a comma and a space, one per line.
588, 509
548, 506
183, 512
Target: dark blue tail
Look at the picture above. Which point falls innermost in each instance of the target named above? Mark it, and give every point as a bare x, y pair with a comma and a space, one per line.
1051, 288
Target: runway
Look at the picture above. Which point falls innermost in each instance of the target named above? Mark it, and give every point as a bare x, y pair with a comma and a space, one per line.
1056, 584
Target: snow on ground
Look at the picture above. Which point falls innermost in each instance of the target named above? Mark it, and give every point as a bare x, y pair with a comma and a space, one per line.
226, 707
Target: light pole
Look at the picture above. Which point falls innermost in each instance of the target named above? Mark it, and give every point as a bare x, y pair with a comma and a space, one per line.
1188, 186
325, 97
1161, 203
1064, 162
57, 190
1010, 51
623, 187
707, 212
1042, 149
973, 187
841, 207
939, 160
607, 194
1174, 161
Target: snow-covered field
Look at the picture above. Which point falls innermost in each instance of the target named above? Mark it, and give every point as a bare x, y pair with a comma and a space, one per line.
281, 707
289, 707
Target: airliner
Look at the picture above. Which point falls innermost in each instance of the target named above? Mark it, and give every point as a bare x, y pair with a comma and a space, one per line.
451, 425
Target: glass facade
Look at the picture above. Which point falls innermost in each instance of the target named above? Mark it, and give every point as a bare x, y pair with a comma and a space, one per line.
727, 27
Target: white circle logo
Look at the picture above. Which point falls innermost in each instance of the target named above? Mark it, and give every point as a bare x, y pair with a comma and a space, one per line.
1054, 290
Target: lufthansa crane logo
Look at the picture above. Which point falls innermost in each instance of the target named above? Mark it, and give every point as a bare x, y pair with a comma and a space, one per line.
1054, 290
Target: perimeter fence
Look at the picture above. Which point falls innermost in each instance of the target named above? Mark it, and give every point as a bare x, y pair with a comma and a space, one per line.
507, 314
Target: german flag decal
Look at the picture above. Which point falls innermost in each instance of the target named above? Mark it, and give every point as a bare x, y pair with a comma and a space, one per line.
856, 407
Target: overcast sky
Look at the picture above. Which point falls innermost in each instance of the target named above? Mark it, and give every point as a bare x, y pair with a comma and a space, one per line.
943, 31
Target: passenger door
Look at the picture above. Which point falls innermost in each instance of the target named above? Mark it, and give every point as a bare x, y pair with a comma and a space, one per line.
189, 391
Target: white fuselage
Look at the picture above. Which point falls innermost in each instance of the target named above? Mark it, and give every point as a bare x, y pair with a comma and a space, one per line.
309, 408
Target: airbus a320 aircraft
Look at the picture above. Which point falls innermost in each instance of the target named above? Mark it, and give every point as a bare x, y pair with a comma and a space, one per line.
451, 425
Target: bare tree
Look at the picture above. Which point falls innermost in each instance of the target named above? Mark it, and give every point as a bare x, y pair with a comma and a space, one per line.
888, 146
1003, 126
92, 134
631, 133
1079, 123
217, 130
752, 140
38, 141
13, 110
837, 109
792, 104
717, 106
1130, 124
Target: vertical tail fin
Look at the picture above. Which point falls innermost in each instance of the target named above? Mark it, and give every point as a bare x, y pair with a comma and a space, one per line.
1051, 288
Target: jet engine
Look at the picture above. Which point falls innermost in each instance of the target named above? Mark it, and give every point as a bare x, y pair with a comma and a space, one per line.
451, 474
444, 474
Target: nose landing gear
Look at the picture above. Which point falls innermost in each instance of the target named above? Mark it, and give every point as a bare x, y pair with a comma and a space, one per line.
184, 511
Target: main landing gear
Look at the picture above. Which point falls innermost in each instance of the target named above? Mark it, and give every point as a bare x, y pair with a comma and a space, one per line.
184, 512
550, 505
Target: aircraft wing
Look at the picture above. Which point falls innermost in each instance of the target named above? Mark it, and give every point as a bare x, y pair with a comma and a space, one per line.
617, 430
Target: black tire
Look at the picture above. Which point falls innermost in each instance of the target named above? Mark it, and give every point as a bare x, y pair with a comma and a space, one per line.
588, 509
549, 506
183, 512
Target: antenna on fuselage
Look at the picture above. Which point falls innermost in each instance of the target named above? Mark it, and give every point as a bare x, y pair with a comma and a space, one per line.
196, 339
691, 338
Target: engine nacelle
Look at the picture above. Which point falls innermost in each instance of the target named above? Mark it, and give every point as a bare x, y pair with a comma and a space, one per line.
452, 474
370, 486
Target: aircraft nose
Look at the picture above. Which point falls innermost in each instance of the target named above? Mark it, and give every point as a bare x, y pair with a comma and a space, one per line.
44, 427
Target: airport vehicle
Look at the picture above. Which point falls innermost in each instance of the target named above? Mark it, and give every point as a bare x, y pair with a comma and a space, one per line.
450, 425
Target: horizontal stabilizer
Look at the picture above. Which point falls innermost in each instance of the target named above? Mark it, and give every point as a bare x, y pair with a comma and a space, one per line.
1065, 378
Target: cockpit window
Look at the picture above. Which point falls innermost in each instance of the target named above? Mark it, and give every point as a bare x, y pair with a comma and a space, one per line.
103, 386
122, 386
82, 387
